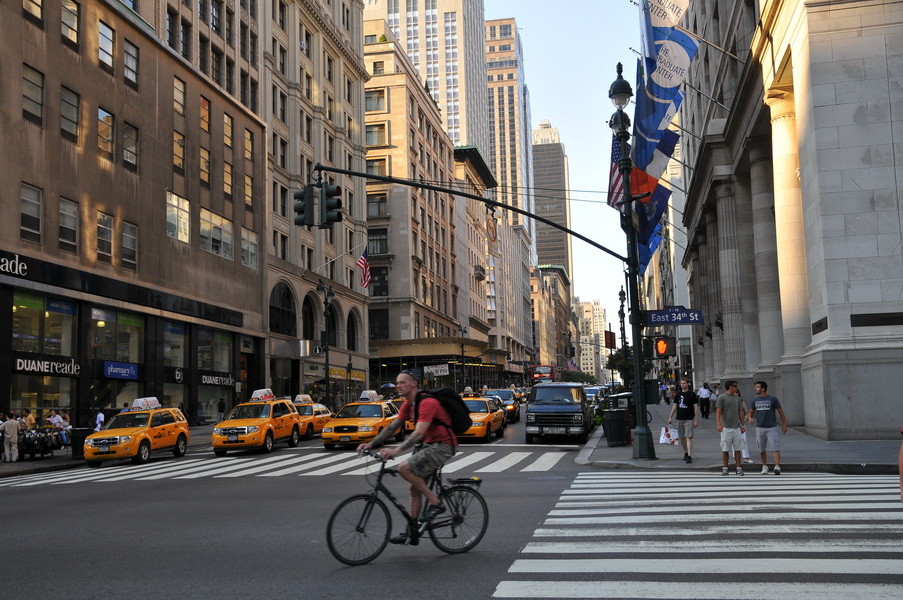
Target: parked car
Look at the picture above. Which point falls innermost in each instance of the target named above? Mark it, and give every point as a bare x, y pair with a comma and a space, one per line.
558, 408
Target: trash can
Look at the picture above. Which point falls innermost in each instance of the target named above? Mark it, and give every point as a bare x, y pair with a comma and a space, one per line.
616, 427
77, 440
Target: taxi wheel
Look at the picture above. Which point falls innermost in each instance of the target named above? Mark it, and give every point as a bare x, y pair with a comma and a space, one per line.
501, 430
143, 453
488, 437
267, 443
219, 452
309, 433
294, 438
93, 463
181, 447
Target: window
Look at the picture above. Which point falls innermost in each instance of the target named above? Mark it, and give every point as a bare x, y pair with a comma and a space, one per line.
69, 104
178, 218
178, 152
172, 20
379, 67
379, 285
227, 181
378, 241
376, 166
379, 324
376, 134
178, 95
205, 167
330, 63
30, 213
175, 341
105, 133
249, 191
105, 46
216, 234
116, 336
130, 146
227, 130
283, 316
216, 15
376, 100
369, 39
129, 246
281, 15
43, 325
205, 114
249, 145
217, 66
104, 238
34, 10
68, 241
185, 40
376, 205
230, 18
204, 55
249, 251
131, 64
69, 26
32, 95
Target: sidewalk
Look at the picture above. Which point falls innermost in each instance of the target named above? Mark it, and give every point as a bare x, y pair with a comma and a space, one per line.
799, 452
62, 459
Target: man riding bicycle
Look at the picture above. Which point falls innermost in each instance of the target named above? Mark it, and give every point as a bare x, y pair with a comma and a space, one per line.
434, 441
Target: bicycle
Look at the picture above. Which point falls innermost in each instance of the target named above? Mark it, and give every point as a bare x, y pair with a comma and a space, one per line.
358, 529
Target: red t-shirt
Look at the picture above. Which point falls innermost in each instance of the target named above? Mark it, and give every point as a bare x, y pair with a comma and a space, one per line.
430, 410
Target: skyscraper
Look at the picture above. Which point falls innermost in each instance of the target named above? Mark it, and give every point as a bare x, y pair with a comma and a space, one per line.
552, 197
449, 60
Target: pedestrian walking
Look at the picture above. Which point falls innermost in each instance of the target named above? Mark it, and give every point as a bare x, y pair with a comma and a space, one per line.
99, 418
10, 429
220, 410
763, 413
705, 400
729, 414
686, 407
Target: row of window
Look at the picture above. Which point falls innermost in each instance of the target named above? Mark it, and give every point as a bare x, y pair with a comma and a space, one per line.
216, 232
31, 211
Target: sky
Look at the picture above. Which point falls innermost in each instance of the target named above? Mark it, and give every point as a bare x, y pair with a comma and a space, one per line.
570, 56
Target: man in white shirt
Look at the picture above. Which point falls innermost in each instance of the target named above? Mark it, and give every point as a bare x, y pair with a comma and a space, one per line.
99, 421
705, 400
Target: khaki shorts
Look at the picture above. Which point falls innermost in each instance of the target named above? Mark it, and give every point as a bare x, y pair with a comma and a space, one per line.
685, 429
763, 434
429, 458
731, 440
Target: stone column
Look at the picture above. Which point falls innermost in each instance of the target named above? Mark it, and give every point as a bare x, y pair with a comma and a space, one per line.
791, 252
704, 283
729, 280
713, 289
749, 313
771, 331
694, 272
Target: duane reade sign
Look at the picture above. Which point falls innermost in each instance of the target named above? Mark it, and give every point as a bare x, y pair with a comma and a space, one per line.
50, 367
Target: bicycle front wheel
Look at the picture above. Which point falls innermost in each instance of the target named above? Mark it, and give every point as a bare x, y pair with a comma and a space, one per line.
463, 524
358, 529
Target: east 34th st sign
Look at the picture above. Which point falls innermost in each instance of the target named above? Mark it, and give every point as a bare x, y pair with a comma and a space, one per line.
672, 315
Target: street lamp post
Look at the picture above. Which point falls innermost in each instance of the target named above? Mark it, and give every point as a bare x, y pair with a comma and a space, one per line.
463, 331
328, 295
622, 296
620, 94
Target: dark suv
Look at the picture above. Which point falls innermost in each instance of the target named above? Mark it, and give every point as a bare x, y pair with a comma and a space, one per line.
558, 408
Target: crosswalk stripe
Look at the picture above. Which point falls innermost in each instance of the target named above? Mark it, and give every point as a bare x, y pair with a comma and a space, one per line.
503, 463
466, 460
115, 472
701, 590
629, 546
721, 509
546, 461
372, 466
731, 529
353, 461
668, 517
717, 565
306, 462
216, 468
136, 473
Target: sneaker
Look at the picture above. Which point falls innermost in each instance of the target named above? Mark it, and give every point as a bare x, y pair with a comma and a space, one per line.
777, 469
749, 461
740, 472
432, 512
688, 459
764, 469
686, 456
724, 471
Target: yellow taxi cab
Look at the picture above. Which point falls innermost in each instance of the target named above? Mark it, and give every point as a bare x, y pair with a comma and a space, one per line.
359, 422
137, 432
488, 418
399, 402
313, 416
258, 423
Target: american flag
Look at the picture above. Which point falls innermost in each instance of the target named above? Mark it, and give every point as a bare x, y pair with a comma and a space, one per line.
364, 264
615, 181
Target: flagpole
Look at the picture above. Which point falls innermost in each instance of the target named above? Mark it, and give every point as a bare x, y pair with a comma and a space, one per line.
708, 43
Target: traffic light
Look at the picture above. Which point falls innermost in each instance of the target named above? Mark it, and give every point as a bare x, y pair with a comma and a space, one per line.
664, 347
330, 204
304, 206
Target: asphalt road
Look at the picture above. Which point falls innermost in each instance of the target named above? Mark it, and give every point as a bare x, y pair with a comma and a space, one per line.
250, 536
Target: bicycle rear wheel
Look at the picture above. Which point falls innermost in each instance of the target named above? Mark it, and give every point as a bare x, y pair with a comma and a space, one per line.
358, 529
463, 524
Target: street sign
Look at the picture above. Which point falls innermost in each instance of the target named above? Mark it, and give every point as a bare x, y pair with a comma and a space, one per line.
673, 315
318, 350
436, 370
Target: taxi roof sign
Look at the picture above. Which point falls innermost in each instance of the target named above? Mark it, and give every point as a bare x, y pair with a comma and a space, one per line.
146, 403
263, 395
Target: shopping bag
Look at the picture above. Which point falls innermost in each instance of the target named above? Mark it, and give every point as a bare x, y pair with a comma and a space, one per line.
668, 436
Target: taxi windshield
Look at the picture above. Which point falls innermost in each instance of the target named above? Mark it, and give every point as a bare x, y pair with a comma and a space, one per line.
250, 411
476, 406
364, 411
305, 410
128, 420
